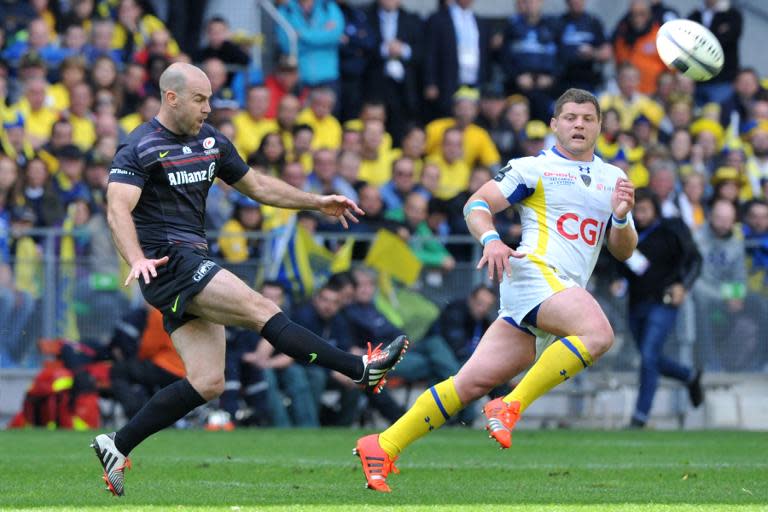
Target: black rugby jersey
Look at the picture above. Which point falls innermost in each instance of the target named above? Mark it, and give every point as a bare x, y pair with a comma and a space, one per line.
174, 173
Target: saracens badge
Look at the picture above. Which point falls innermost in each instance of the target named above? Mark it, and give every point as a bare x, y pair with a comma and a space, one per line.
208, 142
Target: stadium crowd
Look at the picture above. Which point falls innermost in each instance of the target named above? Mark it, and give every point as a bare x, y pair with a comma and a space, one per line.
408, 117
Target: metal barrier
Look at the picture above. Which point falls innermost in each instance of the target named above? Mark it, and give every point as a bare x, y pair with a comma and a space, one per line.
82, 300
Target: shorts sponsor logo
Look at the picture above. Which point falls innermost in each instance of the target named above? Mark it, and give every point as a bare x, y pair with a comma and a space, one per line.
572, 227
202, 270
208, 142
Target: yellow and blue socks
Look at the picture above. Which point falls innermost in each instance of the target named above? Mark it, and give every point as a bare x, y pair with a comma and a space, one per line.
430, 411
559, 362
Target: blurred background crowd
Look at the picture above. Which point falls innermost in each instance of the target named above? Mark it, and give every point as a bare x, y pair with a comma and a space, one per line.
406, 114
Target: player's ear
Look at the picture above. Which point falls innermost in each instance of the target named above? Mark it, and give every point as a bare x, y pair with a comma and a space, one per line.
553, 123
171, 97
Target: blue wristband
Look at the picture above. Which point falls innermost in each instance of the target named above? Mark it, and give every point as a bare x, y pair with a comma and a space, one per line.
619, 223
489, 236
477, 205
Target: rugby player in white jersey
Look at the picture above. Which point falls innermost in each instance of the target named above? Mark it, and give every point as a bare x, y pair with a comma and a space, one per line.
569, 201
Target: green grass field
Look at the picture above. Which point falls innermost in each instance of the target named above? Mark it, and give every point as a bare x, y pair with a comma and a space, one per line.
454, 469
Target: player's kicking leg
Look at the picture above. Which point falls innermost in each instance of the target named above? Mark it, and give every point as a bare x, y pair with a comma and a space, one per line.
228, 301
503, 352
584, 334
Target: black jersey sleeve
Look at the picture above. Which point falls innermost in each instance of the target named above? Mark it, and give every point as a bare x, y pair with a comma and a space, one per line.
127, 168
232, 166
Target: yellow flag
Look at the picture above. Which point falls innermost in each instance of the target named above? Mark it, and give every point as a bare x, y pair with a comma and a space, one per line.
342, 260
389, 254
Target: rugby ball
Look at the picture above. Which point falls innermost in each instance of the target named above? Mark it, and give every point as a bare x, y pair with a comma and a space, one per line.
690, 48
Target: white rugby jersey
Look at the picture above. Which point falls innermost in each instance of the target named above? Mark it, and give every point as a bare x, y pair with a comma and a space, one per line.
565, 208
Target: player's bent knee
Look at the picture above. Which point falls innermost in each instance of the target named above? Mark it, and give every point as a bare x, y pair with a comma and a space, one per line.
258, 312
471, 390
602, 340
209, 386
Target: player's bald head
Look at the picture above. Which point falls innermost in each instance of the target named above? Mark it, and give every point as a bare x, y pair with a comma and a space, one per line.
179, 76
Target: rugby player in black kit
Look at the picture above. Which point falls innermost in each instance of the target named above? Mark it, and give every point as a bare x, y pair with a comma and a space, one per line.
156, 197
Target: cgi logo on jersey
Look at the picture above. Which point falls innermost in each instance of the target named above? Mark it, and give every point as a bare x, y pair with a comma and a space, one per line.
572, 227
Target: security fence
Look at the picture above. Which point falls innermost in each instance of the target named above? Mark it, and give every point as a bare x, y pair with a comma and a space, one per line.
57, 290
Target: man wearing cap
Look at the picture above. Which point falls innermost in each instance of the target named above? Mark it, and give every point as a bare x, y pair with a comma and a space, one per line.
535, 133
478, 148
13, 139
68, 181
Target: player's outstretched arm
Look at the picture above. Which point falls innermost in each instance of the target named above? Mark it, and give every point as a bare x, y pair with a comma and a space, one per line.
121, 200
272, 191
622, 240
478, 213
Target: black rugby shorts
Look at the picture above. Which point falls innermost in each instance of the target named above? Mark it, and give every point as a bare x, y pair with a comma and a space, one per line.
187, 272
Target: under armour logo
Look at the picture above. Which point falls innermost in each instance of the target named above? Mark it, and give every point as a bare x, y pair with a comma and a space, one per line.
584, 169
564, 374
428, 420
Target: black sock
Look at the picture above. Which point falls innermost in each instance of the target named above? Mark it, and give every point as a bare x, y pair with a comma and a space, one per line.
167, 406
302, 344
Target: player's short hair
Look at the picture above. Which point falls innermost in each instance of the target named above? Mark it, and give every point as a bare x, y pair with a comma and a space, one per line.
578, 96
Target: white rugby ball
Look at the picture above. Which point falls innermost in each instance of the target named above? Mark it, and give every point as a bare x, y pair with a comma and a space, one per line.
690, 48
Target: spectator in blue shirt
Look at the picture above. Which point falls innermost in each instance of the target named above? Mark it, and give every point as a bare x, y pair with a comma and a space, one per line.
582, 48
37, 41
393, 192
319, 25
529, 56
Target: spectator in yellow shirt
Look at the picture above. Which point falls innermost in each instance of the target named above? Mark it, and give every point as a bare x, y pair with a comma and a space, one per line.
352, 136
274, 217
38, 118
414, 146
234, 245
303, 135
287, 115
454, 171
318, 115
376, 167
134, 28
630, 103
252, 124
479, 148
81, 117
72, 72
148, 108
